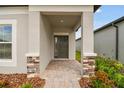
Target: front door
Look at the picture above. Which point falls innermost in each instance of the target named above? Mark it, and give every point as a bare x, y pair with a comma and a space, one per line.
60, 46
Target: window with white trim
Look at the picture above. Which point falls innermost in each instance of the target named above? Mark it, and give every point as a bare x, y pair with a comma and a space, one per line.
8, 42
5, 41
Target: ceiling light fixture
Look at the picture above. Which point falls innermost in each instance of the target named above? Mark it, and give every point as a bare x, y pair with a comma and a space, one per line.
61, 21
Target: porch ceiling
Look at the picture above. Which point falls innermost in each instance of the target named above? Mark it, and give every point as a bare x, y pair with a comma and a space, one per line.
63, 19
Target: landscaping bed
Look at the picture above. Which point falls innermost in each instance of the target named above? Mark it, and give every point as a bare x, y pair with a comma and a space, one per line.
109, 73
20, 81
78, 56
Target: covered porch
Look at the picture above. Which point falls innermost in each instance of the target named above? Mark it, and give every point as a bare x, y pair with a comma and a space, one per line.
52, 32
62, 74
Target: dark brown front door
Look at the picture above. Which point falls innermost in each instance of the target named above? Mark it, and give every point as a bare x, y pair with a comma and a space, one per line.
60, 46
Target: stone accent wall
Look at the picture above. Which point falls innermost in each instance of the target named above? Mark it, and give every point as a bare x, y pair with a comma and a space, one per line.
88, 66
33, 66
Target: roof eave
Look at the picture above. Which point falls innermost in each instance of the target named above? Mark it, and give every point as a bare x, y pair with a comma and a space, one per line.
110, 24
96, 7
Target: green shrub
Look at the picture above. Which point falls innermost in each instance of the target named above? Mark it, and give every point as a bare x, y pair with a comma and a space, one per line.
3, 83
119, 66
120, 83
102, 64
108, 65
119, 79
101, 80
97, 84
78, 56
27, 85
113, 68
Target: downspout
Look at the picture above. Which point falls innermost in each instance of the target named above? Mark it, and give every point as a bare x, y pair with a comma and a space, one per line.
117, 40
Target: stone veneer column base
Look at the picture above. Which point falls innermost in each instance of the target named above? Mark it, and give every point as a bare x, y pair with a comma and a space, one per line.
88, 65
33, 66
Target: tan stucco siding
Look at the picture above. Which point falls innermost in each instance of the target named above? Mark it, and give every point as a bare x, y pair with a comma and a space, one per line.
87, 40
22, 43
61, 8
72, 45
34, 32
45, 43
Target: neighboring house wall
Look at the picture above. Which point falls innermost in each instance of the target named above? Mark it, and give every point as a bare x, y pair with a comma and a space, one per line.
121, 41
22, 43
78, 44
105, 41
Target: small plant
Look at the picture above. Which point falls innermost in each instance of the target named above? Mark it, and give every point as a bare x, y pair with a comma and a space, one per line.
109, 73
101, 80
3, 83
119, 79
78, 56
97, 84
113, 68
120, 83
27, 85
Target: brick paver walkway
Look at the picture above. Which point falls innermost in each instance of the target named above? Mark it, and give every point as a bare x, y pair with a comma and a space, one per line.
62, 74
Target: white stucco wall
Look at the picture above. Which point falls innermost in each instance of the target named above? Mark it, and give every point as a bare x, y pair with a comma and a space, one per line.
45, 43
22, 43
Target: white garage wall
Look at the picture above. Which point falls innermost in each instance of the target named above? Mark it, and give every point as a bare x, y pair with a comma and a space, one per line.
105, 42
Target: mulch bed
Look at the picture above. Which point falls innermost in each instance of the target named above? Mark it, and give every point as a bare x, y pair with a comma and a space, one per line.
16, 80
85, 83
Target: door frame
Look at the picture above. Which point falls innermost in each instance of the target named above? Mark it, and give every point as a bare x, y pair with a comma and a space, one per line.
63, 34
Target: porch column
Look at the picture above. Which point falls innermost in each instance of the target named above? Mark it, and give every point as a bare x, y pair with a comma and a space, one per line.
72, 45
87, 44
33, 44
34, 32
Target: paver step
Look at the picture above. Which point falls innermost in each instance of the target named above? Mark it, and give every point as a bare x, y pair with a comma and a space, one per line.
62, 74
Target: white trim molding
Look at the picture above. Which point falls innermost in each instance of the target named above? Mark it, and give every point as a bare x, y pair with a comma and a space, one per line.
89, 54
61, 33
62, 8
13, 61
32, 54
